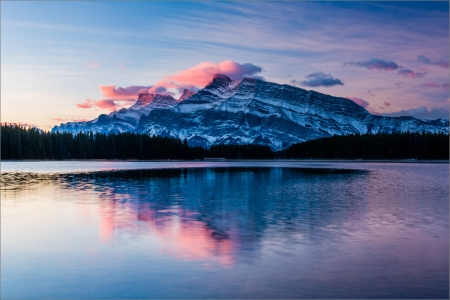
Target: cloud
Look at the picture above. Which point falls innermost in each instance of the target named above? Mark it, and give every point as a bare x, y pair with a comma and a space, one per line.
410, 74
399, 84
319, 79
387, 104
86, 104
102, 104
426, 60
362, 103
422, 112
60, 120
191, 88
256, 77
358, 101
441, 64
375, 64
127, 93
192, 79
159, 90
431, 84
106, 104
445, 86
201, 74
92, 65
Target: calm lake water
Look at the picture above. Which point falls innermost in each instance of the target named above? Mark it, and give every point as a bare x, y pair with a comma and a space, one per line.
224, 230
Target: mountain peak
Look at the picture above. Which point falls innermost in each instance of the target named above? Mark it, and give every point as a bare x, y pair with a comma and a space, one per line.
185, 95
143, 100
156, 99
221, 77
164, 100
220, 82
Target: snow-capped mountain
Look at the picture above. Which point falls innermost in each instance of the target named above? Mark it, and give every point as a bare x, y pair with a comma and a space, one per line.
249, 111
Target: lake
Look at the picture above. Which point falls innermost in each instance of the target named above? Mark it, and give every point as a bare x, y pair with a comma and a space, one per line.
255, 229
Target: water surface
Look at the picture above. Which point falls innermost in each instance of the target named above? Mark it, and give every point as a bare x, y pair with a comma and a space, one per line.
224, 230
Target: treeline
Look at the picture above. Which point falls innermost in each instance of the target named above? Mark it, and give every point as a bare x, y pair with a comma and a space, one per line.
22, 143
30, 143
373, 146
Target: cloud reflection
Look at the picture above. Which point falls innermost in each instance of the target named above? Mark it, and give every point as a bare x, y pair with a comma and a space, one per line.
179, 235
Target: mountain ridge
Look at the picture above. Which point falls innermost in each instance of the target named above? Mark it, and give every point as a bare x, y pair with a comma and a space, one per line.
250, 111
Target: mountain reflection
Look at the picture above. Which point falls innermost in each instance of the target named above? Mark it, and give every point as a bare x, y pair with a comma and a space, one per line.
214, 213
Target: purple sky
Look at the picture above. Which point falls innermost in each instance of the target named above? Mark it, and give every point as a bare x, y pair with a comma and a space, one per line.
64, 61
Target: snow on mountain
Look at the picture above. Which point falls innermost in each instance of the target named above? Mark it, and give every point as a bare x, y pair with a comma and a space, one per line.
249, 111
123, 120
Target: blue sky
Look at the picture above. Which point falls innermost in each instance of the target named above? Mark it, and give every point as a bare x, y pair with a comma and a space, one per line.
55, 55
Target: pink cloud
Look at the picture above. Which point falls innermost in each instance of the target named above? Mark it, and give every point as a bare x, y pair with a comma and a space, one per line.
92, 65
193, 78
358, 101
86, 104
361, 102
201, 74
106, 104
387, 104
58, 119
431, 84
103, 104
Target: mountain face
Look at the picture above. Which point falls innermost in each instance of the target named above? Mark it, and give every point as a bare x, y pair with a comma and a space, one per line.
250, 111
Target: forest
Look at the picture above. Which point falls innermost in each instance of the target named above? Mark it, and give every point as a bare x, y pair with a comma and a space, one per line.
408, 145
18, 143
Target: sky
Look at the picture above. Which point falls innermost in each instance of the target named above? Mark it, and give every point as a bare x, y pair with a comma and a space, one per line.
64, 61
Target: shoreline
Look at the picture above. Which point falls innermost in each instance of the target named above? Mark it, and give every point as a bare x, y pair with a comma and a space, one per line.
438, 161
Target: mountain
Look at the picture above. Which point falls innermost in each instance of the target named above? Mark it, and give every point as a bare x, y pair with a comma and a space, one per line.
186, 94
249, 111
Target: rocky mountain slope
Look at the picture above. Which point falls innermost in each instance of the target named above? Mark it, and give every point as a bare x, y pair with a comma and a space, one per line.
249, 111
